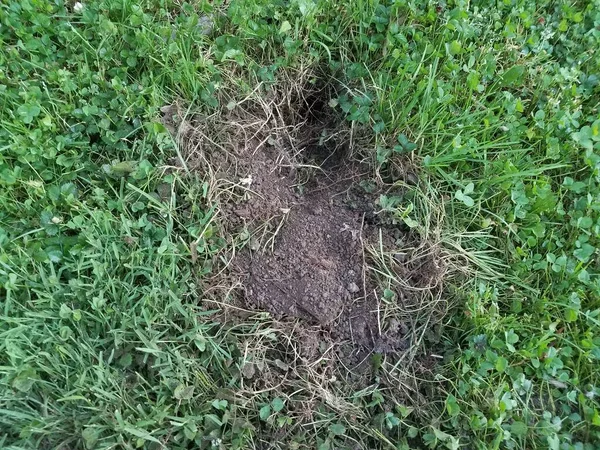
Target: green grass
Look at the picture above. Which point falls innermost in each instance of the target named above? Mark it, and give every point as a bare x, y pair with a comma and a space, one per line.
105, 341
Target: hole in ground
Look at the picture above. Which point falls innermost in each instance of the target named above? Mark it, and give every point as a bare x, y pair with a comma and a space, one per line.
314, 243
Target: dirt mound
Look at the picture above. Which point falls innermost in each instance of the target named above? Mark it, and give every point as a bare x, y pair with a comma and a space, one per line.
311, 262
314, 244
316, 266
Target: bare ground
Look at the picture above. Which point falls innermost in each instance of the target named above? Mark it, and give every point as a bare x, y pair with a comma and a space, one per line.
315, 249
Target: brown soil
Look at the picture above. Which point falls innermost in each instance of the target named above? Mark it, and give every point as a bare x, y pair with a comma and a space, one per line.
309, 261
316, 271
307, 224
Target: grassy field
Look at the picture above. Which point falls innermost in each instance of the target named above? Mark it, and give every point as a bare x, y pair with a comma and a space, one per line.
107, 246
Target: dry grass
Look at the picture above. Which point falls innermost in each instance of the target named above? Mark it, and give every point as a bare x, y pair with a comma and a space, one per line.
280, 356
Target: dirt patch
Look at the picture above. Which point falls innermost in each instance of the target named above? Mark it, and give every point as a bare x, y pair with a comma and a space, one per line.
315, 245
308, 222
316, 270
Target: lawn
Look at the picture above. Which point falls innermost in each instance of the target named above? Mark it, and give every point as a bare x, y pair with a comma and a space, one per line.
478, 123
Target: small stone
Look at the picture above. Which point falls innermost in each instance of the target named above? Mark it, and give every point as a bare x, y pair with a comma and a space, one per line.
248, 370
205, 24
353, 288
400, 257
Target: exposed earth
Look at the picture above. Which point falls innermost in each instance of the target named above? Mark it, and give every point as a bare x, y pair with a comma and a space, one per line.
309, 261
308, 221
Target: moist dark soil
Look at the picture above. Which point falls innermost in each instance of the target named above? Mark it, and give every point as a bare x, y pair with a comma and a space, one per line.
316, 269
309, 222
306, 220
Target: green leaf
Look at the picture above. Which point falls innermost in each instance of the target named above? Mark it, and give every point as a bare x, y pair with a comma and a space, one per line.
210, 420
200, 343
65, 311
122, 168
441, 435
596, 418
584, 137
376, 360
183, 392
391, 420
585, 222
126, 360
379, 127
518, 428
159, 128
264, 412
411, 223
501, 364
595, 130
553, 442
576, 186
25, 380
514, 75
90, 437
519, 105
571, 314
466, 199
306, 7
76, 315
285, 27
54, 255
388, 295
383, 154
65, 332
220, 404
454, 48
190, 430
506, 402
584, 253
7, 176
142, 434
512, 337
405, 144
473, 80
388, 203
338, 429
452, 406
28, 112
404, 411
277, 404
